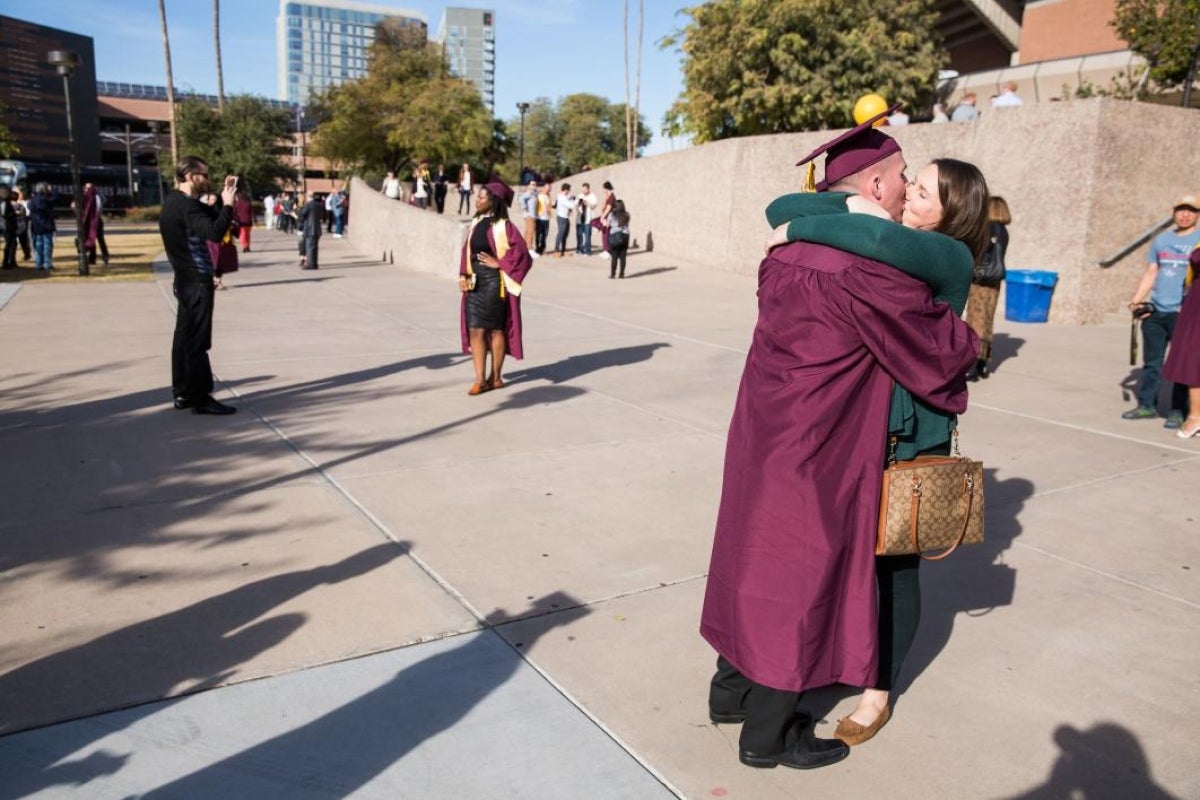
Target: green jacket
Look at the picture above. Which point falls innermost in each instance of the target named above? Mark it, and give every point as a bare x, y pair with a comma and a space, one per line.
942, 263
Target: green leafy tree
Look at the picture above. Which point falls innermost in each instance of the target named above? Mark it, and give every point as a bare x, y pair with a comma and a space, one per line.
407, 107
8, 145
775, 66
1166, 34
579, 129
247, 140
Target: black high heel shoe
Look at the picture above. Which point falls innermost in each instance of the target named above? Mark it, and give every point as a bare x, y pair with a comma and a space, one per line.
982, 369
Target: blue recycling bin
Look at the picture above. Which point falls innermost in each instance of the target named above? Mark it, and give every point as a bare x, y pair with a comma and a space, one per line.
1028, 294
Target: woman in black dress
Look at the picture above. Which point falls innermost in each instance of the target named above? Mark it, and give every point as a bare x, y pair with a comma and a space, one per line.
495, 261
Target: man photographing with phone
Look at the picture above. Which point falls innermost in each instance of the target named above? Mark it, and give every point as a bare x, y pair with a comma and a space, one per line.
186, 225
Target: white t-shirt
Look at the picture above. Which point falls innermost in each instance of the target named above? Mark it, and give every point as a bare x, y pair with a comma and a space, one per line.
563, 205
391, 188
589, 207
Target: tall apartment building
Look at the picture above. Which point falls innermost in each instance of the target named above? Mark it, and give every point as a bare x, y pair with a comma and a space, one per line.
323, 43
468, 38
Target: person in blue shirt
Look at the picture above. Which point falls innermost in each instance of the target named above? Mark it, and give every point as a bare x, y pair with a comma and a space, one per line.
1162, 286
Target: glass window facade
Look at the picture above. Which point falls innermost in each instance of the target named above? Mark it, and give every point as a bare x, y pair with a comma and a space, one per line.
328, 43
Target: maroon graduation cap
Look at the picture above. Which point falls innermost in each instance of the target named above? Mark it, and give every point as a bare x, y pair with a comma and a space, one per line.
500, 190
855, 150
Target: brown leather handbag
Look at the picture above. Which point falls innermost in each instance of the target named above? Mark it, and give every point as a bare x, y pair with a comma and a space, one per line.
930, 503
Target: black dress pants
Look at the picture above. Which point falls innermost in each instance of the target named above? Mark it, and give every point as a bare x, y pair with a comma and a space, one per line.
310, 248
191, 373
770, 713
10, 250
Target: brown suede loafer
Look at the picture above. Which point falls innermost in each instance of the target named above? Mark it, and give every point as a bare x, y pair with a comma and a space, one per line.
852, 733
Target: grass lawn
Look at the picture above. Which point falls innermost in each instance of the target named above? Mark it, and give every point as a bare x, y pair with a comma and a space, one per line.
132, 246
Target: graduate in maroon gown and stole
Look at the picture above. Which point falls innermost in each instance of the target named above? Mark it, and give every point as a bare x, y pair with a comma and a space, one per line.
491, 272
790, 602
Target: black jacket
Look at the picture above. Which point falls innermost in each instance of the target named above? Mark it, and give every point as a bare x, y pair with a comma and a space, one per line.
187, 226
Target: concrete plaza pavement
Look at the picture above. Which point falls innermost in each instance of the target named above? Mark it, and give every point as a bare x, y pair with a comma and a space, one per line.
367, 583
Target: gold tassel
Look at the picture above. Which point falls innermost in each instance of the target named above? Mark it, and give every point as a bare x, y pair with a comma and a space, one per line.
810, 178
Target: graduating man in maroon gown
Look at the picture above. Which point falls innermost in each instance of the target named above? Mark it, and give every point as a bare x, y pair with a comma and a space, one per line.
790, 602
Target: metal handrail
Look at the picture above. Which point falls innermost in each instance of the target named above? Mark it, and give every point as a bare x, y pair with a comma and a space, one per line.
1141, 239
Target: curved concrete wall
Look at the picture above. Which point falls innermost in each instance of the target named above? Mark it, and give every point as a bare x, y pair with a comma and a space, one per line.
1082, 179
399, 233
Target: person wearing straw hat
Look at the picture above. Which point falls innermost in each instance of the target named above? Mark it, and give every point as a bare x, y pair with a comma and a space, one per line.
491, 272
790, 602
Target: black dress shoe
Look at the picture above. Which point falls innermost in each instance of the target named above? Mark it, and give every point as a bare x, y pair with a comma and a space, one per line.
211, 406
182, 402
806, 753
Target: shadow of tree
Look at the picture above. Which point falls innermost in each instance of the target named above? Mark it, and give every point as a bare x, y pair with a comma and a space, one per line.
205, 488
186, 651
1105, 762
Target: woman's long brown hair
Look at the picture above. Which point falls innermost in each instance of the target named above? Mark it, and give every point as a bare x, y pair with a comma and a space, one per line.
964, 195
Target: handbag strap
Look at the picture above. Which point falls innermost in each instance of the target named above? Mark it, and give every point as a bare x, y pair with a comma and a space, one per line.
968, 501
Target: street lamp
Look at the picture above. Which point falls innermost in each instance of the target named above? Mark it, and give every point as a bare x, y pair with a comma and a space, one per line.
65, 62
522, 107
162, 193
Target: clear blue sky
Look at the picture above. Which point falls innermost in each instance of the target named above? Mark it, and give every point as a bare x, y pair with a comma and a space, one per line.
544, 48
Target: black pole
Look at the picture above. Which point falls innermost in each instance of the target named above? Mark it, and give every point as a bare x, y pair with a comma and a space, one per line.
522, 107
83, 262
129, 161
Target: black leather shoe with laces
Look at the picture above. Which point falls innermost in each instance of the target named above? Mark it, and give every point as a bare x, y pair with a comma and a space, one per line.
805, 753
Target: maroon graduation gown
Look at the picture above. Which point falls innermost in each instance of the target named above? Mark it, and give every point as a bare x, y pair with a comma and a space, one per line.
516, 263
791, 598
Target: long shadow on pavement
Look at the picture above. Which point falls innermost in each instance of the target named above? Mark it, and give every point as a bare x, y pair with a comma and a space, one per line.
199, 647
343, 750
573, 367
260, 284
648, 272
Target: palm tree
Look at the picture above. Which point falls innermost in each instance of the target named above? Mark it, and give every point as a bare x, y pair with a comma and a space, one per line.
631, 110
217, 41
637, 81
162, 15
625, 37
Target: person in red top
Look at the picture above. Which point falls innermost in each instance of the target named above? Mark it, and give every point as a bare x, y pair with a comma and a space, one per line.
243, 215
